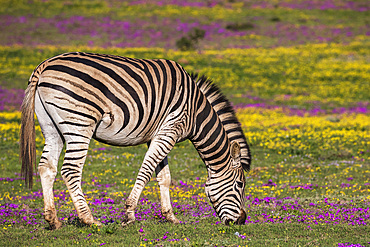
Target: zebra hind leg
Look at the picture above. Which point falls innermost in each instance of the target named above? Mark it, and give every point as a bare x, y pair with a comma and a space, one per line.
76, 152
77, 130
48, 170
49, 163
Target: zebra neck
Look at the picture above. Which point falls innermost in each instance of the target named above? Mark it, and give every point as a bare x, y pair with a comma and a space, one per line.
234, 131
210, 139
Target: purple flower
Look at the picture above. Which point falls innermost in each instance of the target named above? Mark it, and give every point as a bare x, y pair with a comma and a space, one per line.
269, 183
349, 245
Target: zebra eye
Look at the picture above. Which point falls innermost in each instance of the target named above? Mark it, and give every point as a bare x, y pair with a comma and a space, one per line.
239, 184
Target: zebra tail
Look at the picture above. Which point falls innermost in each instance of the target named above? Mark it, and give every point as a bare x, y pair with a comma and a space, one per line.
27, 138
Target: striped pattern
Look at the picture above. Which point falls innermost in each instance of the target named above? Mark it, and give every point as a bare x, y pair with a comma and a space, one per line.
124, 101
226, 113
232, 126
233, 129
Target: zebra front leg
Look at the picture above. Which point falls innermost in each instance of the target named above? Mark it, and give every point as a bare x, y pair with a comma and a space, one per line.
160, 146
164, 181
76, 151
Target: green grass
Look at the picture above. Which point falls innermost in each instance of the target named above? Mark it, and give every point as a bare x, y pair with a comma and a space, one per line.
201, 235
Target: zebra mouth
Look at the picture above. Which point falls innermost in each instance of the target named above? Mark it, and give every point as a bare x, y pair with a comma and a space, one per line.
239, 221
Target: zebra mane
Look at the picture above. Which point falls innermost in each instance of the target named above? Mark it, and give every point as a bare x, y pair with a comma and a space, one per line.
217, 99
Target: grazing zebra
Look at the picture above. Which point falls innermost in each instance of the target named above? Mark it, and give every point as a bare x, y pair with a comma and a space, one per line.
233, 129
124, 102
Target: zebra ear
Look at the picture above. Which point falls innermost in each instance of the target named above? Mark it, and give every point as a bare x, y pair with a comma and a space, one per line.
235, 150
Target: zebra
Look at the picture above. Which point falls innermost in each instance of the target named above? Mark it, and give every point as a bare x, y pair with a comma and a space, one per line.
226, 113
124, 102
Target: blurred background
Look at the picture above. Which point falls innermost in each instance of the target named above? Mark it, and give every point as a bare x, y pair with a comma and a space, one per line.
282, 63
182, 24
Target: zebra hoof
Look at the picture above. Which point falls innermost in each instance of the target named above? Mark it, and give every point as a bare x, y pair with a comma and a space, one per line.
170, 217
90, 222
175, 221
56, 225
97, 223
126, 223
129, 218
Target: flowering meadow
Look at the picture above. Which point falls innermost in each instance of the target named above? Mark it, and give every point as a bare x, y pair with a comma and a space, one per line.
227, 24
297, 74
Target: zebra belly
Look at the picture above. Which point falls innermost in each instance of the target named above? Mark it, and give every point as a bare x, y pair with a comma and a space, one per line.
121, 142
119, 139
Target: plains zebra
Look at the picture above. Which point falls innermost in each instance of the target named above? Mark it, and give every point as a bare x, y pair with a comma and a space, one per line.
232, 127
123, 101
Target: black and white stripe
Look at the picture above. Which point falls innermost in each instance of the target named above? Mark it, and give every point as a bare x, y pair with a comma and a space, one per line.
226, 113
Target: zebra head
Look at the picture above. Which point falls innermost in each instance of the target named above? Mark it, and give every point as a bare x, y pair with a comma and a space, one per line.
225, 188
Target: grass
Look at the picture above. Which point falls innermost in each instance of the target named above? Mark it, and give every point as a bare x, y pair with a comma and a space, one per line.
259, 235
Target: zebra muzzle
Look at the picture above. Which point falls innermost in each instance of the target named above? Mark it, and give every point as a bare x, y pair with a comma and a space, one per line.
241, 219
